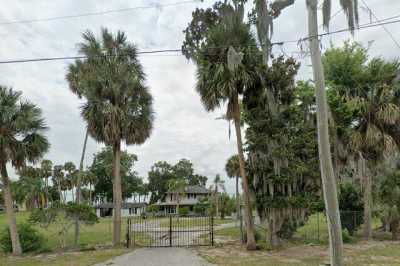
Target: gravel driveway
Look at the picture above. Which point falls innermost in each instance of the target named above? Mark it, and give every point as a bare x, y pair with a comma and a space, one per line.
158, 257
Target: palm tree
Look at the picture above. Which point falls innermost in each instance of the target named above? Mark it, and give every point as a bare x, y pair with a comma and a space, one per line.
57, 179
118, 103
218, 183
224, 74
325, 158
232, 169
46, 172
177, 187
22, 140
71, 176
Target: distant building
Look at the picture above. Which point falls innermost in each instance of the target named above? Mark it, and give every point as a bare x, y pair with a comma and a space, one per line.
188, 198
127, 209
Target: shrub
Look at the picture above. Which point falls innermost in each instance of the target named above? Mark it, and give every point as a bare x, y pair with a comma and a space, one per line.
152, 209
351, 207
30, 238
346, 236
183, 211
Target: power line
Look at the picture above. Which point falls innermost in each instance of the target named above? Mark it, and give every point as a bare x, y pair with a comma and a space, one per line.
162, 51
128, 9
385, 29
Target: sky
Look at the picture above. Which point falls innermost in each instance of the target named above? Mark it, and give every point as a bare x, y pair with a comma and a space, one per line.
182, 128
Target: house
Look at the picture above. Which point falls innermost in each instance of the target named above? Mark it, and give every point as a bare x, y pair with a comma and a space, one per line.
127, 209
189, 197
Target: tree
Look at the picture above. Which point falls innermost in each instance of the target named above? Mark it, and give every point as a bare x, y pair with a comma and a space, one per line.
119, 104
218, 184
58, 180
46, 171
389, 197
177, 188
224, 74
21, 140
363, 98
101, 169
327, 173
233, 171
71, 177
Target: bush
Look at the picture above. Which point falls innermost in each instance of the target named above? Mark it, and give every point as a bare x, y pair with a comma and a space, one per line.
351, 207
183, 211
30, 238
346, 236
152, 209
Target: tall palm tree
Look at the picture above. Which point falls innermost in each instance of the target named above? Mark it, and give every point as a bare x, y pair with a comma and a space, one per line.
118, 103
232, 169
223, 74
21, 140
325, 158
46, 171
71, 176
217, 185
58, 180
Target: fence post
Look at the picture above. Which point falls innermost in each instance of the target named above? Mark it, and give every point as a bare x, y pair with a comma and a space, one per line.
212, 230
318, 225
128, 234
170, 230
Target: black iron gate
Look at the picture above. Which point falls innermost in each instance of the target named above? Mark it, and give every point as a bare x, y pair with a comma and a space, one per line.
170, 231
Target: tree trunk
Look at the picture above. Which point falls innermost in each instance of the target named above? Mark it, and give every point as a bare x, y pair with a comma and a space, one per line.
394, 225
237, 199
248, 215
367, 197
8, 202
117, 193
327, 174
78, 186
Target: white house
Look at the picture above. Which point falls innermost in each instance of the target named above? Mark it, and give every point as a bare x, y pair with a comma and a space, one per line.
127, 209
187, 198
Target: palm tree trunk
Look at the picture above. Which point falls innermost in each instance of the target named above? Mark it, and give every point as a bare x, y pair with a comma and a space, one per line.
327, 174
248, 215
117, 194
8, 202
78, 186
237, 199
367, 197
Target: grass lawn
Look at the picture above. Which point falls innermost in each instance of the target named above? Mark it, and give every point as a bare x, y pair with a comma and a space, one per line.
93, 235
64, 259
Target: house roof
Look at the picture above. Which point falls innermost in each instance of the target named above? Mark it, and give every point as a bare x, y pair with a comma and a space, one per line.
125, 205
194, 189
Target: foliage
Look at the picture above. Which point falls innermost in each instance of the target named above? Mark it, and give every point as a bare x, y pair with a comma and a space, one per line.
282, 147
203, 206
389, 197
30, 238
64, 216
152, 209
101, 168
162, 172
351, 207
226, 205
183, 211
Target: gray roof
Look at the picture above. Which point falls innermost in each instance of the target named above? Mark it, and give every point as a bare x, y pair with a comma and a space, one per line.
125, 205
195, 190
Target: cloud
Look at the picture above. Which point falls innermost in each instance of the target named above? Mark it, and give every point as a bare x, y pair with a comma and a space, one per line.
182, 128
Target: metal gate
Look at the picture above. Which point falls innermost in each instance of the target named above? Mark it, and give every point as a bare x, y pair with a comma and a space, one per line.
170, 231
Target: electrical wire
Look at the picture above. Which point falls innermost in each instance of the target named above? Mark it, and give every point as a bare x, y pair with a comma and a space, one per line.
387, 31
161, 51
96, 13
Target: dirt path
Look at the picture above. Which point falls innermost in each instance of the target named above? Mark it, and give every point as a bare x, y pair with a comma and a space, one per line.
158, 257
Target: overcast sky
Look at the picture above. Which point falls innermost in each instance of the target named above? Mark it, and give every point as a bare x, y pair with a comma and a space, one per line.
182, 128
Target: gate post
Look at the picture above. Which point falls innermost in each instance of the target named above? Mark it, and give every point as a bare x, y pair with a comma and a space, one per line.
212, 230
128, 234
170, 230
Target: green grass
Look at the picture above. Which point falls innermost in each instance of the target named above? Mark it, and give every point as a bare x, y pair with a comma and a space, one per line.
91, 235
66, 259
